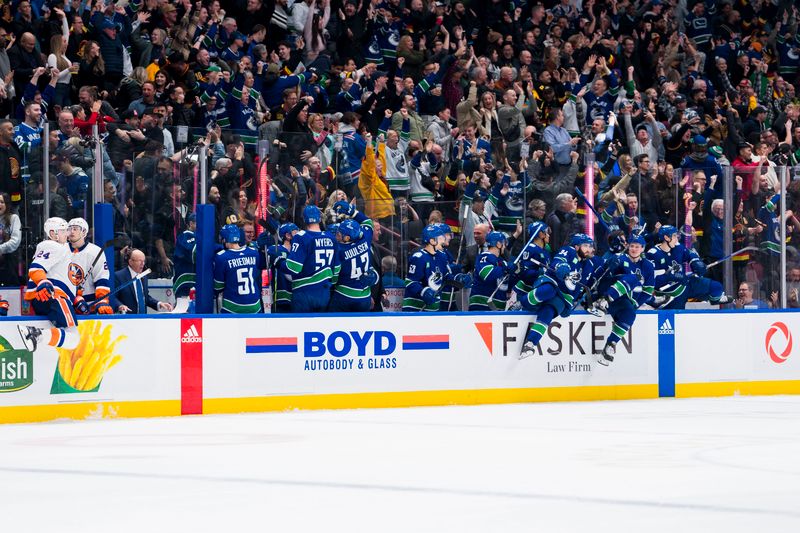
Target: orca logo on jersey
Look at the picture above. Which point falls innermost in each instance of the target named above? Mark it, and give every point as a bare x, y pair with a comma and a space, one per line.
75, 274
786, 343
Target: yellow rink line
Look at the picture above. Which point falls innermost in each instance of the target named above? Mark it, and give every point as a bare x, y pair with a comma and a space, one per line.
733, 388
427, 398
89, 410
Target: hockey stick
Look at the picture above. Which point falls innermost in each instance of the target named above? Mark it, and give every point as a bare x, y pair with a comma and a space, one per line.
590, 206
734, 254
491, 303
125, 285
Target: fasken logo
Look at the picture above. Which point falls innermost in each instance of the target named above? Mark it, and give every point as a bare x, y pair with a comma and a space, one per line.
191, 335
771, 342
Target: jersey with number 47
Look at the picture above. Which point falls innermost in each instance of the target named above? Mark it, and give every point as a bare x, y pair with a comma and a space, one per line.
312, 261
237, 276
354, 260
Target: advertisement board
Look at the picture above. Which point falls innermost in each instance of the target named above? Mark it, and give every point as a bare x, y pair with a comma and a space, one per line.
120, 367
730, 353
466, 355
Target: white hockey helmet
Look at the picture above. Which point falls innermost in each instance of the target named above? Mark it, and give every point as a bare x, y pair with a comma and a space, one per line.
55, 224
81, 223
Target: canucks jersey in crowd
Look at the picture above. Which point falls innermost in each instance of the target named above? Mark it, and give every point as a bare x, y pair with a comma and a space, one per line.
313, 263
237, 276
509, 195
426, 274
490, 279
354, 279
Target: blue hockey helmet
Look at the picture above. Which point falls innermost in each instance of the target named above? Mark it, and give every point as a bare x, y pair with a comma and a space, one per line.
230, 233
350, 228
311, 214
332, 229
579, 239
286, 229
535, 228
494, 238
446, 229
191, 217
637, 239
431, 231
666, 231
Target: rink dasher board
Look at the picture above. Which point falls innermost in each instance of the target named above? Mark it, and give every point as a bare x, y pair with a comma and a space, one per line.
179, 364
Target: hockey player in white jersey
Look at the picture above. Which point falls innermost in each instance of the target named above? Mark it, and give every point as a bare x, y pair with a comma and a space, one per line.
50, 290
88, 271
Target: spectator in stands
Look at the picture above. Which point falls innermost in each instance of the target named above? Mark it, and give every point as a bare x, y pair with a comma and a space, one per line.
10, 239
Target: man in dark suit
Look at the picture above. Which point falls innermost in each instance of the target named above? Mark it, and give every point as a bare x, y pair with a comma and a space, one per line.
135, 298
471, 253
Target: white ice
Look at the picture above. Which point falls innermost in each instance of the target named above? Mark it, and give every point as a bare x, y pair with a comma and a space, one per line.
706, 465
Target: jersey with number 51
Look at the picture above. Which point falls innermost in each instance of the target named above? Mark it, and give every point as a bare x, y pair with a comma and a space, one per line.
312, 261
237, 277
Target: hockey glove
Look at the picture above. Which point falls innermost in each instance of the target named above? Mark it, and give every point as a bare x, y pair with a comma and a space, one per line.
44, 291
677, 271
572, 280
344, 208
104, 309
612, 263
264, 240
371, 277
465, 280
3, 307
80, 305
428, 296
698, 267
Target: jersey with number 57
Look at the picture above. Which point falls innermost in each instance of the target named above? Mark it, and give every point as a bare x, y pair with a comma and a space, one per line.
312, 261
237, 275
354, 260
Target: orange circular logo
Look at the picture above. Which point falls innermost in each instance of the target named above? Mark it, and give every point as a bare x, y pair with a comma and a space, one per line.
75, 274
786, 342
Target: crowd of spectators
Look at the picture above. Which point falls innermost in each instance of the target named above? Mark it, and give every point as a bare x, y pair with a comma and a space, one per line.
483, 114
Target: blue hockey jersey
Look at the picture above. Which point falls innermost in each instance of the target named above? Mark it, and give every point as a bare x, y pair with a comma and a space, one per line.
183, 262
312, 261
425, 270
237, 277
489, 273
354, 260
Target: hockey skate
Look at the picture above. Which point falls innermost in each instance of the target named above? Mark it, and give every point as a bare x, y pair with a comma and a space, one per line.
598, 308
607, 355
528, 349
30, 336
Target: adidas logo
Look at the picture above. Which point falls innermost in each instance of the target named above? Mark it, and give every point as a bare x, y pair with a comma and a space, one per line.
191, 335
666, 328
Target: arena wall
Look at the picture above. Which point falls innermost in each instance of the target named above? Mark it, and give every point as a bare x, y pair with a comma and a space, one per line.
169, 365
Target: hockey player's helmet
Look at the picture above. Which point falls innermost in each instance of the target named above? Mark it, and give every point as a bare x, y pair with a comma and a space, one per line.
535, 228
446, 229
55, 224
81, 223
286, 229
311, 214
579, 239
350, 228
666, 231
431, 231
230, 233
616, 241
637, 239
494, 238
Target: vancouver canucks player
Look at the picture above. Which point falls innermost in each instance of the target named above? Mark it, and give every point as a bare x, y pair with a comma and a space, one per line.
237, 273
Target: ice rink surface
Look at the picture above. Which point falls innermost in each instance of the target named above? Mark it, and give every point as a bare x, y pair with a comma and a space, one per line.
710, 465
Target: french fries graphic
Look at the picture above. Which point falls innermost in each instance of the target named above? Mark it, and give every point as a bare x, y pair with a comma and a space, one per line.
84, 367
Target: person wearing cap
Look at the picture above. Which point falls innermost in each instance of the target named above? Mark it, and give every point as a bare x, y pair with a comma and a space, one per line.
700, 159
236, 49
112, 48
